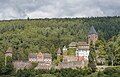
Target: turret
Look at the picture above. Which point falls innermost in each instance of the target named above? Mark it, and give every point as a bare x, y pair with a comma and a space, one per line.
8, 52
92, 35
59, 52
64, 49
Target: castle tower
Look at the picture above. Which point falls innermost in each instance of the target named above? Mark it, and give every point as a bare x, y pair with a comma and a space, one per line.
92, 35
8, 53
64, 49
59, 52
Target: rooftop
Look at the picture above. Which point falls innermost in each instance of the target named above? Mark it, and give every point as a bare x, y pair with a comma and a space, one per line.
32, 55
82, 44
92, 31
73, 44
59, 51
47, 56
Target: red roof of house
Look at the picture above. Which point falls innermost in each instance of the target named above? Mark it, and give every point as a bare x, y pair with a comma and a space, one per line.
81, 58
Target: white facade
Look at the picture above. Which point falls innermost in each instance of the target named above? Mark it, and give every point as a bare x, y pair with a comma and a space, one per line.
39, 59
8, 54
82, 52
47, 60
64, 48
33, 59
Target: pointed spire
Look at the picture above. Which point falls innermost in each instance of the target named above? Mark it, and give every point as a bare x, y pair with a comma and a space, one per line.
64, 48
92, 31
59, 51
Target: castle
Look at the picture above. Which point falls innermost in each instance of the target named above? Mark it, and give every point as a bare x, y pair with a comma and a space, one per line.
78, 58
81, 50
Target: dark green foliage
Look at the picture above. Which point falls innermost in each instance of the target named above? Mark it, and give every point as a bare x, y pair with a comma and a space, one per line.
101, 54
110, 72
92, 58
7, 69
34, 35
85, 72
26, 73
58, 73
47, 35
113, 50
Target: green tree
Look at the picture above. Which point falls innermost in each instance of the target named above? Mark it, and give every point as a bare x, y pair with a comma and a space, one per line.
101, 54
26, 73
92, 58
113, 48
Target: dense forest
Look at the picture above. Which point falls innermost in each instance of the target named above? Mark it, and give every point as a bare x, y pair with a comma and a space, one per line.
46, 35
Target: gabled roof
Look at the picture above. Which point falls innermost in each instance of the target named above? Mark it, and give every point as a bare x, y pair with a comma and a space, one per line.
40, 53
59, 51
47, 56
82, 44
32, 55
92, 31
73, 44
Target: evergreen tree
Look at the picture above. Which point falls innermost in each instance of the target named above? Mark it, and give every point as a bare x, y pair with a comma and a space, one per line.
92, 58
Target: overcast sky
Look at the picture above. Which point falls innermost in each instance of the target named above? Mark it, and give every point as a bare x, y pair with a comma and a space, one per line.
19, 9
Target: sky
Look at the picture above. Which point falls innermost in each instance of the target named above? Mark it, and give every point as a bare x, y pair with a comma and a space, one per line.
22, 9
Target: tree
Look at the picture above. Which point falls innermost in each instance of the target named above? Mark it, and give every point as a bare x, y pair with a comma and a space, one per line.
7, 70
101, 55
26, 73
2, 62
113, 49
92, 57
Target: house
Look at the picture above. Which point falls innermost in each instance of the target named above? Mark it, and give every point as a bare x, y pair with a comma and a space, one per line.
92, 35
8, 52
80, 58
73, 64
21, 65
82, 50
47, 58
43, 65
40, 57
46, 63
83, 45
32, 57
69, 58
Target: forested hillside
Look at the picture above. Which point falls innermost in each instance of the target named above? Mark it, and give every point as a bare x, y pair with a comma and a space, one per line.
46, 35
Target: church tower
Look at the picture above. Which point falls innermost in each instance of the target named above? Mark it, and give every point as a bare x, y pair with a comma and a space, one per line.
8, 53
92, 35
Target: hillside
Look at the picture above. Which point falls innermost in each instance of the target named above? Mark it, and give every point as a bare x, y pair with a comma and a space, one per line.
46, 35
